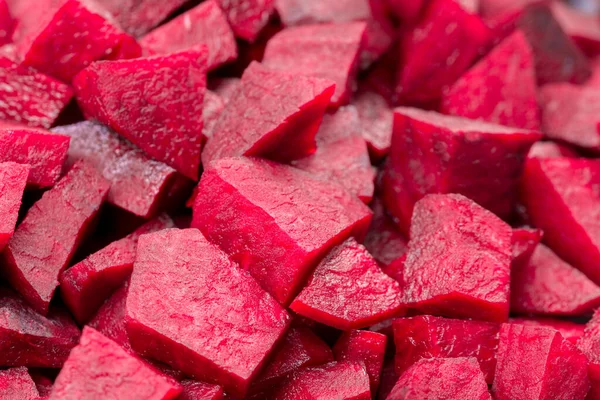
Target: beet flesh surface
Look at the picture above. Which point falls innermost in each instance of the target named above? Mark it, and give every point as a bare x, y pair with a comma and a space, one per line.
250, 208
571, 331
16, 384
377, 120
383, 241
13, 178
220, 328
581, 27
589, 344
45, 241
247, 17
524, 242
195, 390
552, 150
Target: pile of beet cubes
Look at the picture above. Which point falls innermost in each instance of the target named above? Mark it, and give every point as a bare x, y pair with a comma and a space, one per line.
299, 200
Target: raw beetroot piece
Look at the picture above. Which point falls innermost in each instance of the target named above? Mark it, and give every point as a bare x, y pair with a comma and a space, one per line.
376, 120
248, 17
363, 347
13, 178
501, 88
225, 87
16, 384
7, 23
203, 25
458, 262
383, 241
388, 380
30, 339
58, 38
435, 56
434, 337
138, 183
524, 242
46, 240
29, 97
86, 285
480, 160
589, 344
42, 383
342, 155
250, 125
218, 303
551, 150
535, 362
196, 390
213, 107
100, 368
583, 28
336, 380
348, 290
571, 331
329, 51
110, 318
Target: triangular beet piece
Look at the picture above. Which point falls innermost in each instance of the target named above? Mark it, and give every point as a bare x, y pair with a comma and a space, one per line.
589, 344
501, 88
250, 125
377, 120
16, 384
383, 241
248, 17
458, 262
154, 102
571, 331
348, 290
583, 28
13, 178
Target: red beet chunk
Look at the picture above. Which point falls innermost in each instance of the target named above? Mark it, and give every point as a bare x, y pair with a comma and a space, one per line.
582, 28
30, 339
159, 107
479, 160
422, 337
551, 150
388, 380
329, 51
218, 303
45, 241
30, 97
406, 11
195, 390
589, 344
458, 262
203, 25
524, 242
342, 155
337, 380
538, 363
383, 241
110, 318
376, 119
248, 17
7, 23
571, 331
97, 364
16, 384
13, 178
366, 347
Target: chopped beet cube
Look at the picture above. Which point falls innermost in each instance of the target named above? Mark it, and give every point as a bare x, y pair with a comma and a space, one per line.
458, 262
16, 384
442, 378
434, 337
213, 107
569, 330
247, 17
164, 117
138, 184
46, 240
196, 390
59, 39
250, 125
524, 242
336, 380
29, 97
434, 153
366, 347
216, 303
203, 25
86, 285
377, 120
342, 155
329, 51
589, 344
110, 318
552, 150
100, 368
30, 339
383, 240
535, 362
13, 178
583, 28
269, 238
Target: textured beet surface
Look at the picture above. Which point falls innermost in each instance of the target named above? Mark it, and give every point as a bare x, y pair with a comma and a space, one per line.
13, 178
589, 344
110, 318
571, 331
247, 17
376, 118
524, 242
383, 240
16, 384
195, 390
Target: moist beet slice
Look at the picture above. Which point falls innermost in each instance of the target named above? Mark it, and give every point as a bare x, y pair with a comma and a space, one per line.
86, 285
383, 241
582, 28
248, 17
458, 262
366, 347
479, 160
507, 75
551, 150
268, 238
170, 130
218, 303
426, 336
569, 330
328, 51
536, 362
97, 364
342, 155
30, 339
45, 241
589, 344
13, 178
138, 184
16, 384
205, 24
195, 390
376, 120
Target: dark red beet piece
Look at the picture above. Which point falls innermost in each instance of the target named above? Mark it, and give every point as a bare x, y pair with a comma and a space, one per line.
218, 303
582, 28
195, 390
7, 23
524, 242
535, 362
458, 262
434, 337
13, 178
329, 51
551, 150
247, 17
377, 120
203, 25
366, 347
388, 380
479, 160
30, 339
342, 155
492, 9
159, 105
110, 318
406, 11
100, 368
267, 238
42, 383
16, 384
45, 241
589, 344
569, 330
272, 114
138, 184
383, 240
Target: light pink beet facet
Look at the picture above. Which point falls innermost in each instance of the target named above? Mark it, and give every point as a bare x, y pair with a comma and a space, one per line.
571, 331
552, 150
377, 120
524, 242
16, 384
247, 17
13, 178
